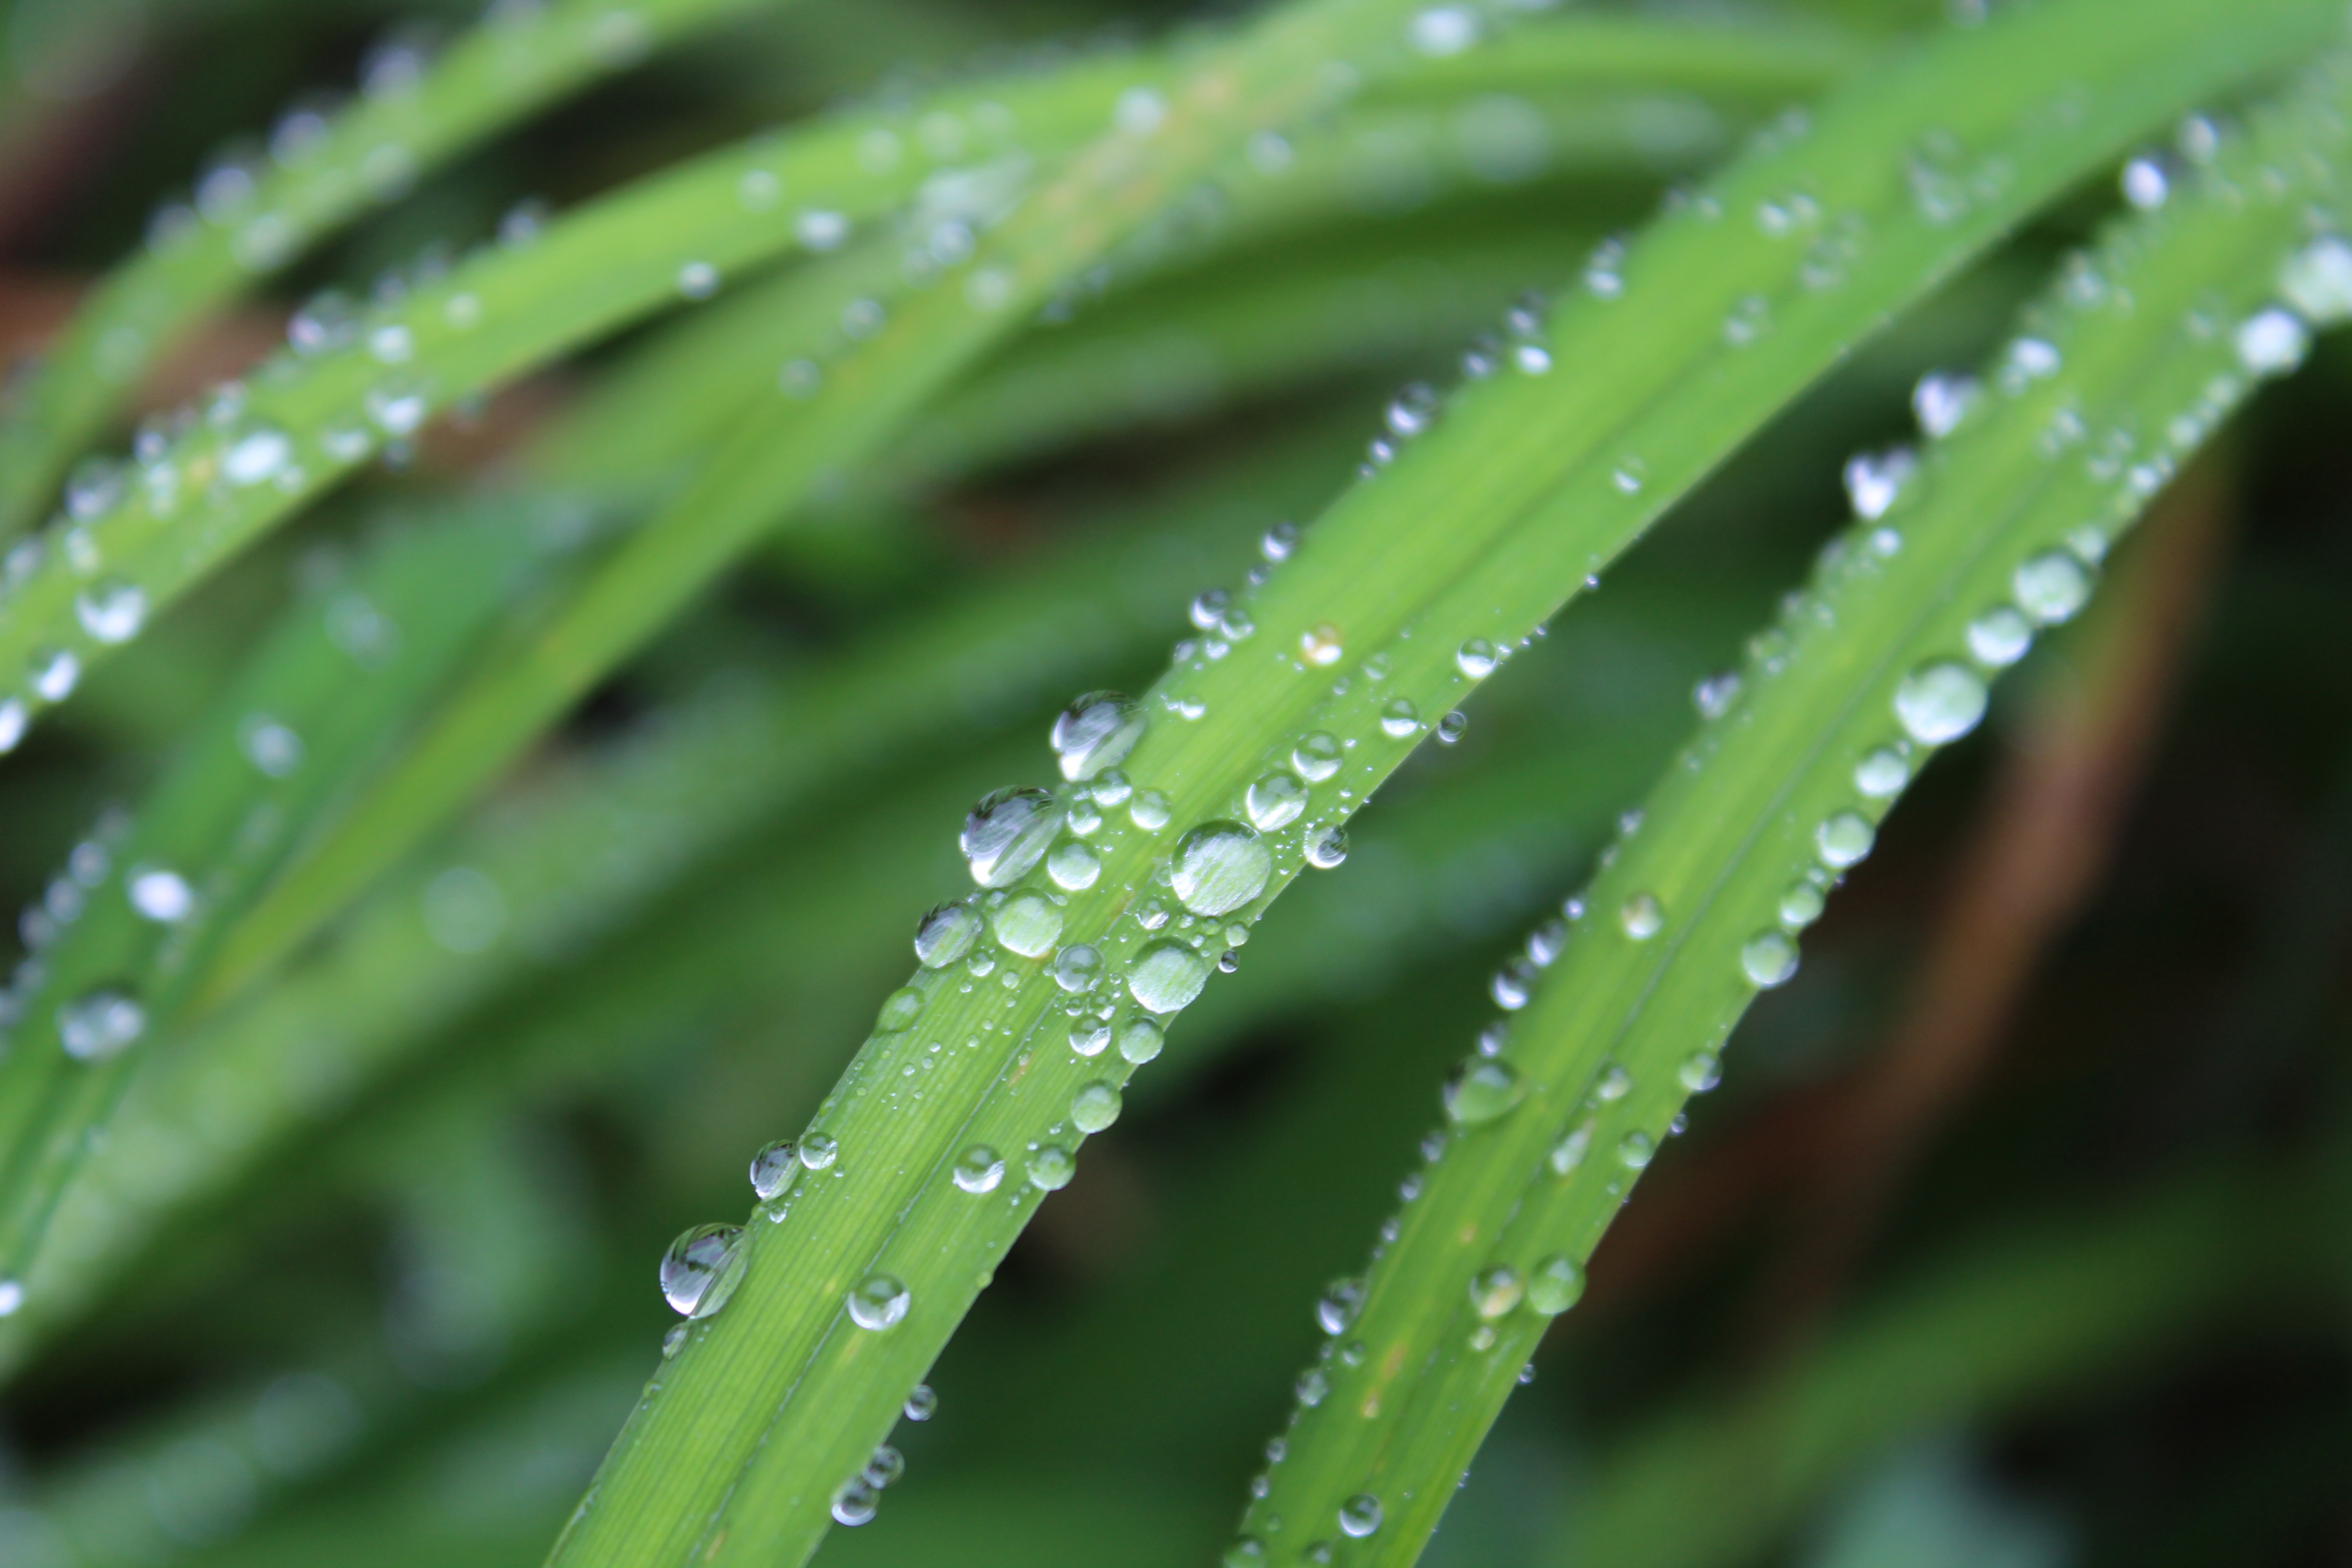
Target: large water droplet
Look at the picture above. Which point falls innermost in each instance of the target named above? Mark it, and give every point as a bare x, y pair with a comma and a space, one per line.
1149, 810
878, 1301
1400, 718
1941, 400
1094, 1107
1276, 801
257, 457
1940, 702
2271, 341
818, 1150
1007, 833
1072, 865
773, 1168
1097, 731
945, 935
855, 1502
1028, 924
1326, 846
899, 1009
100, 1023
978, 1169
1476, 659
921, 1404
1319, 644
2000, 638
1555, 1286
1051, 1167
1360, 1515
1077, 967
701, 1269
1219, 867
159, 895
1844, 839
1315, 757
1167, 975
54, 672
1768, 958
1141, 1040
1874, 480
1800, 906
1341, 1302
2050, 587
1481, 1090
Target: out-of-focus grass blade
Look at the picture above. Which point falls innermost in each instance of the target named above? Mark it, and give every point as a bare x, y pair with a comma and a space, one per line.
125, 930
2140, 351
850, 1282
321, 170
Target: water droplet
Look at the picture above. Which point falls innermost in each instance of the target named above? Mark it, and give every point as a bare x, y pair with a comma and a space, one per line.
2051, 586
884, 1468
698, 280
1940, 702
1800, 906
855, 1502
1326, 846
1998, 638
1007, 833
1941, 400
1768, 958
1247, 1552
269, 746
257, 457
1555, 1286
1097, 731
1481, 1090
1400, 718
1341, 1302
1714, 696
2271, 341
1495, 1292
2145, 183
773, 1168
1094, 1107
1090, 1037
701, 1269
1476, 659
820, 230
2317, 281
1315, 757
1319, 644
1843, 841
1219, 867
1149, 810
1028, 924
1312, 1387
160, 895
13, 720
922, 1404
878, 1301
1636, 1151
1700, 1071
1641, 916
819, 1150
112, 611
1072, 865
1512, 985
899, 1008
945, 935
1874, 480
100, 1025
1166, 977
1051, 1167
1569, 1152
1450, 728
1139, 1040
1360, 1515
978, 1169
1413, 411
55, 673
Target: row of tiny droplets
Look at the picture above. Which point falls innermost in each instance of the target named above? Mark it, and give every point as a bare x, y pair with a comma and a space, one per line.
1936, 703
101, 1023
219, 450
1216, 877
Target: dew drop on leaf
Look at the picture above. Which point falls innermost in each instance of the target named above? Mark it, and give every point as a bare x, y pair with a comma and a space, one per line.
1219, 867
878, 1301
978, 1169
701, 1269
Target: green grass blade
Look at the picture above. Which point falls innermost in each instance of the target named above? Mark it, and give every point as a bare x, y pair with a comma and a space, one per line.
770, 1407
2134, 360
320, 174
144, 901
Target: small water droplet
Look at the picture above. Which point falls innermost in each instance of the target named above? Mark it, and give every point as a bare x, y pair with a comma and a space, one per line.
1883, 771
1360, 1515
701, 1268
1026, 923
100, 1025
1636, 1151
1141, 1040
1481, 1090
922, 1404
1700, 1071
160, 895
1319, 644
1073, 867
1400, 718
698, 280
1998, 637
855, 1502
899, 1009
978, 1169
1316, 756
2317, 281
1714, 696
1149, 810
878, 1301
2145, 184
1800, 906
884, 1468
818, 1150
2271, 341
1941, 400
1641, 916
1496, 1291
55, 672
